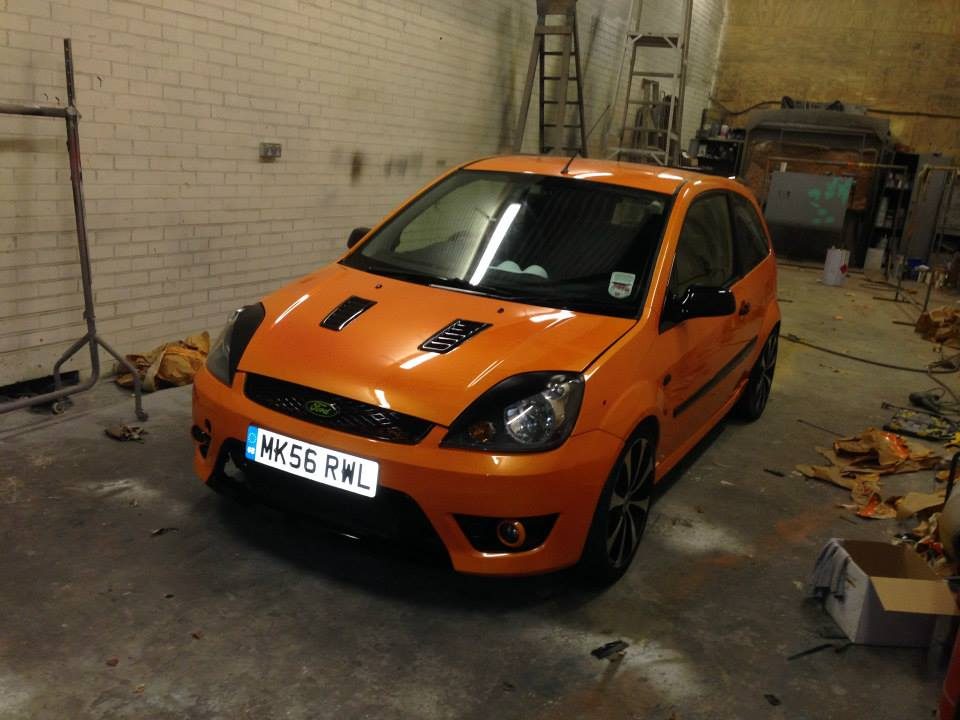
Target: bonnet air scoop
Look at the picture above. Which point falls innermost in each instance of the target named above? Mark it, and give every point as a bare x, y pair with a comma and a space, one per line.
346, 312
453, 336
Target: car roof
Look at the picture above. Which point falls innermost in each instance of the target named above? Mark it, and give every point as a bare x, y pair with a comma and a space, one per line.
644, 177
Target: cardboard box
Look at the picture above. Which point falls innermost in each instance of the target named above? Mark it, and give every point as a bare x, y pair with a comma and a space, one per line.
892, 596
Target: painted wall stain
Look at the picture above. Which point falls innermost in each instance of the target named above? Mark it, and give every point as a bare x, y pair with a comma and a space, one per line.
356, 167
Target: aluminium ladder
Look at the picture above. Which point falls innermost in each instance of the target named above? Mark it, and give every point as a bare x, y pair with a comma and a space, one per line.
555, 80
653, 106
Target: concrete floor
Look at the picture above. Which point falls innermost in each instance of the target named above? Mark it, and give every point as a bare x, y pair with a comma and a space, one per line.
246, 613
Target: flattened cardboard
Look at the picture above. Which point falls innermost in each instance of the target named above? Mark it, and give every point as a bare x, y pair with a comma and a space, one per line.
914, 503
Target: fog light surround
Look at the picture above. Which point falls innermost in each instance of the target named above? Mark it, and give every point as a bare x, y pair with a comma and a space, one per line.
511, 533
202, 437
497, 535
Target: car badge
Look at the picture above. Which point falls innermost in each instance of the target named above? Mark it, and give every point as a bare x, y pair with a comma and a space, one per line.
322, 408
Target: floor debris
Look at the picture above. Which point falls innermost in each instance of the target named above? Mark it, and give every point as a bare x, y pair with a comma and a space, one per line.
925, 540
113, 662
882, 451
819, 427
777, 473
772, 699
857, 464
125, 433
611, 651
163, 531
920, 424
836, 647
915, 503
941, 326
169, 365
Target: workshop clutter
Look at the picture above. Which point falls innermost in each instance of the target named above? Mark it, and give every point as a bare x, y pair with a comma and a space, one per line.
857, 463
170, 365
880, 594
940, 326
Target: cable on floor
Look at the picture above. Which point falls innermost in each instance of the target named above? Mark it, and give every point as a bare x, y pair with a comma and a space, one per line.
944, 366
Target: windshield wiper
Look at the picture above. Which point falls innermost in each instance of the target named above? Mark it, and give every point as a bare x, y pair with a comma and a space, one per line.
438, 281
455, 283
394, 272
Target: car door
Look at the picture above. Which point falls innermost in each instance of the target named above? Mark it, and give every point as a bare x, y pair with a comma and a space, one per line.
702, 350
756, 287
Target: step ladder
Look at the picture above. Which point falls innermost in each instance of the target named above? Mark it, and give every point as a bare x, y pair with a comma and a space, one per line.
653, 106
555, 79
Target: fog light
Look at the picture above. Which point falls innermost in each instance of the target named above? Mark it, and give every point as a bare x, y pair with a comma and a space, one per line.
202, 437
511, 533
199, 435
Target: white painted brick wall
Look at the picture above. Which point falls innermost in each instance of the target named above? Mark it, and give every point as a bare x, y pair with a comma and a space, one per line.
176, 95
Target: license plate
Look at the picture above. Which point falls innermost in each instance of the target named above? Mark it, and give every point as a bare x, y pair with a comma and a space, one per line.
320, 464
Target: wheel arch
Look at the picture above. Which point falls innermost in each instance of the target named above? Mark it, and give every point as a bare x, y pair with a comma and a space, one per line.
649, 424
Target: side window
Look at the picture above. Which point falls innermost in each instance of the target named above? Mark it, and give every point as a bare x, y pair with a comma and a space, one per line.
705, 249
751, 241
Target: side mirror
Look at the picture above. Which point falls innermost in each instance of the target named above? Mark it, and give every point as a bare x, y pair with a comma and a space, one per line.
701, 301
356, 235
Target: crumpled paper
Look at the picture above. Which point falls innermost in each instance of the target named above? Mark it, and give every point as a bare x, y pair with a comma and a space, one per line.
169, 365
857, 463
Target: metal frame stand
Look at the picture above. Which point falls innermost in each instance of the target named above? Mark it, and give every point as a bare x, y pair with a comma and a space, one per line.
91, 338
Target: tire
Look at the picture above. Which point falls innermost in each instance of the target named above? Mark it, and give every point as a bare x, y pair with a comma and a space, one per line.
755, 395
621, 513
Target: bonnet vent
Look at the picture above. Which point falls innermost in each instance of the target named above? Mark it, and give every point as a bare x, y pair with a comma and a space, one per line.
453, 335
346, 312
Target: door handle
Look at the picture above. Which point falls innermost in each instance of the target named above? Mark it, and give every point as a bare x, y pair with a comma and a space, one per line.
744, 308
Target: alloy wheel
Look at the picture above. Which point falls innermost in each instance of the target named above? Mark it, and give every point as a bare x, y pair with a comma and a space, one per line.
768, 364
630, 502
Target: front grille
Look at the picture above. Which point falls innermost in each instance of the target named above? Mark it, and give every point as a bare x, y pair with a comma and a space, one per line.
335, 411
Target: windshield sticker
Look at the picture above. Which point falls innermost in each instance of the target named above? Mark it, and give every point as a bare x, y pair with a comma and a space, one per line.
621, 284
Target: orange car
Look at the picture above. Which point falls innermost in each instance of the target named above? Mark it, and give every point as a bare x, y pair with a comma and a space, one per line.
507, 363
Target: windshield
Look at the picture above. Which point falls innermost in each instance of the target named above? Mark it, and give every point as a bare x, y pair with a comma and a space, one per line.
557, 242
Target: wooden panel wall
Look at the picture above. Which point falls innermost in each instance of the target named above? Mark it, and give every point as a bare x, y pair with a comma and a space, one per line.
891, 54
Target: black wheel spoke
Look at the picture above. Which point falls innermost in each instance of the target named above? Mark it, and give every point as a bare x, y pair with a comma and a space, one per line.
626, 545
616, 532
617, 499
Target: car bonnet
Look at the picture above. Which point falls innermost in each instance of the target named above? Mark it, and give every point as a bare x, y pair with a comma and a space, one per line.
397, 344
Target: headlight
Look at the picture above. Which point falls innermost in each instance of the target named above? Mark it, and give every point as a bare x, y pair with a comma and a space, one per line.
532, 412
228, 348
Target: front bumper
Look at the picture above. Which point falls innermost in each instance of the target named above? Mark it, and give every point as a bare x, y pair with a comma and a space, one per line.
444, 483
